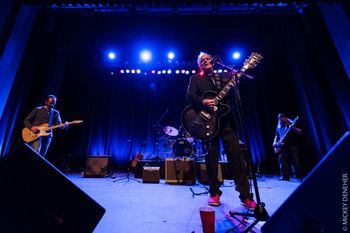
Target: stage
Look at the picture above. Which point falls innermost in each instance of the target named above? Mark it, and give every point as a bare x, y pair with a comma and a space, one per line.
143, 207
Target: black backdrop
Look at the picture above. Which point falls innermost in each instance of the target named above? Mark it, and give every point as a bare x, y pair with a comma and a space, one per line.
300, 75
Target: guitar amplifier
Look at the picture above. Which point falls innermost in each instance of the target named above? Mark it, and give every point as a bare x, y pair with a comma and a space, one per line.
96, 166
202, 173
151, 174
180, 171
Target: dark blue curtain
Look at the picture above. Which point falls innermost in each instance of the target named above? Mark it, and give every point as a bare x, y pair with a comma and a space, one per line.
300, 75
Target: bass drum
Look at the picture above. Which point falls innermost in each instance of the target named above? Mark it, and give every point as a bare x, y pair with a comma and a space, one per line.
182, 148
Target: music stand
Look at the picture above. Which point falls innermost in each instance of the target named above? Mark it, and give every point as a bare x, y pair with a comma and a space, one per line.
127, 177
260, 213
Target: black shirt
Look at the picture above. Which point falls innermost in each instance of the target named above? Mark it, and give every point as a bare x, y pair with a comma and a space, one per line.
41, 115
199, 84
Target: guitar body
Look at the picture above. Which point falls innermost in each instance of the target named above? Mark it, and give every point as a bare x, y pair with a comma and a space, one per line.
138, 157
203, 124
29, 136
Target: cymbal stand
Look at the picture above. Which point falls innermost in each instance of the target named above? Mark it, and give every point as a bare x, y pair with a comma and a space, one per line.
158, 127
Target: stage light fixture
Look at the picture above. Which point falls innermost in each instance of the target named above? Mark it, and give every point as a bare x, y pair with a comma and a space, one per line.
187, 72
169, 71
111, 55
145, 56
153, 71
133, 71
220, 71
171, 55
138, 71
177, 72
127, 71
193, 71
236, 55
159, 72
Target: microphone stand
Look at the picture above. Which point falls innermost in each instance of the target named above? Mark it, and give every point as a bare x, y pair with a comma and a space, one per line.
260, 213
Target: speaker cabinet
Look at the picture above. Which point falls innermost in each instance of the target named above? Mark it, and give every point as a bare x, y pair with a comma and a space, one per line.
150, 174
180, 171
96, 166
202, 174
36, 197
320, 203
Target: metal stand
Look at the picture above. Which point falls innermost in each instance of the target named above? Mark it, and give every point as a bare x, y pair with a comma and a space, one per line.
157, 126
260, 213
127, 177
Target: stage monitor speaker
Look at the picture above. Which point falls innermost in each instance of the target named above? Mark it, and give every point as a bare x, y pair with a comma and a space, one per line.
96, 166
36, 197
320, 203
180, 171
151, 174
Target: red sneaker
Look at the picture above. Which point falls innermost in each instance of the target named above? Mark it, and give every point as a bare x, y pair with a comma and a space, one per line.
214, 201
249, 204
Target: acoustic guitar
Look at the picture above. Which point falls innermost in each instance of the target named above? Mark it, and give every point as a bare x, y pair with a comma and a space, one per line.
138, 156
44, 130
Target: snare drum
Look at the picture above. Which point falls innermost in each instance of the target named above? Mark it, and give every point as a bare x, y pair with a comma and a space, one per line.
182, 148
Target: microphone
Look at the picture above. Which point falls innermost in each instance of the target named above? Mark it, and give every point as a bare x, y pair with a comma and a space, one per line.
214, 59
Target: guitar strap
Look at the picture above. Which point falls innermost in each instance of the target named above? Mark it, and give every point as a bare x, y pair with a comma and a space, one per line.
50, 114
216, 81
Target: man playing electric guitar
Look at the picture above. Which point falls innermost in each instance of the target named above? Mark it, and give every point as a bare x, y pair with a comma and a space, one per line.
41, 115
203, 82
286, 145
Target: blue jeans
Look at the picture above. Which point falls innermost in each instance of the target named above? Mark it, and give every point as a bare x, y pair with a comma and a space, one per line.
41, 145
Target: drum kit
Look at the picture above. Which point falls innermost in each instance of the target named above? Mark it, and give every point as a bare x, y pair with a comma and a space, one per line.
178, 143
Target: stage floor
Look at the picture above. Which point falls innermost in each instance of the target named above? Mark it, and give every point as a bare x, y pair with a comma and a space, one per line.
147, 208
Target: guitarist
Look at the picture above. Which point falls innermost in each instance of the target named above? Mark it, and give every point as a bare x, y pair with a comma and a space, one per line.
40, 115
207, 80
288, 149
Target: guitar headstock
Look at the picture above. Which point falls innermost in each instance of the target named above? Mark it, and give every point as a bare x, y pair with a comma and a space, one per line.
252, 61
295, 120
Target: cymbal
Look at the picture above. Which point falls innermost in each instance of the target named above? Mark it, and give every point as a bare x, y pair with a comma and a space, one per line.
171, 131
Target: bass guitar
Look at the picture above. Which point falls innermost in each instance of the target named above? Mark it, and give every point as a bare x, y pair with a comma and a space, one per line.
203, 124
44, 130
278, 146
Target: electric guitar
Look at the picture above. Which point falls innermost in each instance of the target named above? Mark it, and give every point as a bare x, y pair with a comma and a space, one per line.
203, 124
138, 156
278, 146
29, 136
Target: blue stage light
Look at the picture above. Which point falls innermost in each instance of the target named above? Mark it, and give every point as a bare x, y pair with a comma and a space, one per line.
171, 55
145, 55
236, 55
111, 55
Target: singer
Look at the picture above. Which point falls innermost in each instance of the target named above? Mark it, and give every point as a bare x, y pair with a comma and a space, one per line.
208, 80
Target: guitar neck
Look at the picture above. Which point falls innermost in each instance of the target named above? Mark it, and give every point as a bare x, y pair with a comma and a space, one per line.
55, 126
63, 124
229, 85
